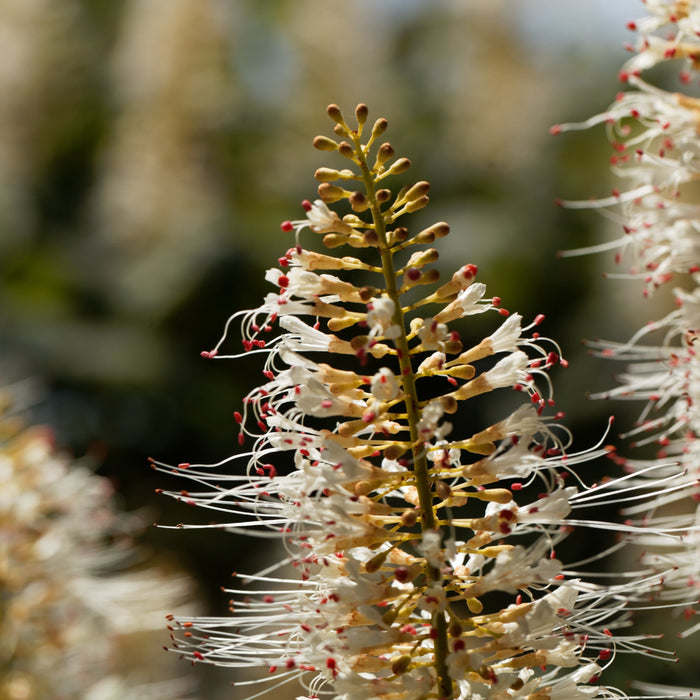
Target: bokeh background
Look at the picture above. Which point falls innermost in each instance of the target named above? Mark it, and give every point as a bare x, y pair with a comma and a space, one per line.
150, 148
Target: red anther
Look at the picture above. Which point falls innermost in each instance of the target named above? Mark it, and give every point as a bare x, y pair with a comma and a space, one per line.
283, 262
270, 375
183, 465
241, 439
272, 669
604, 654
208, 354
238, 417
287, 226
552, 358
559, 577
632, 26
555, 129
452, 381
268, 599
517, 486
504, 312
247, 345
198, 655
306, 205
607, 632
535, 398
283, 281
623, 76
290, 663
469, 271
496, 301
538, 319
564, 363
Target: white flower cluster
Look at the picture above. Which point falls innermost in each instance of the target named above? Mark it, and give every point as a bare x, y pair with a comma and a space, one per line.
656, 140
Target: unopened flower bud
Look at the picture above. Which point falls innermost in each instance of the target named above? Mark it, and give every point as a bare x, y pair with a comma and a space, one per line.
420, 189
370, 237
385, 153
416, 204
335, 114
455, 629
323, 143
449, 403
430, 234
398, 235
327, 174
367, 293
409, 517
379, 128
345, 150
335, 240
383, 196
442, 490
395, 450
330, 193
358, 201
401, 665
475, 605
399, 166
375, 563
361, 112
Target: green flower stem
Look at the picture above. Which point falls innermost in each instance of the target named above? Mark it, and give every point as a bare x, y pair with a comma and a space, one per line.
420, 463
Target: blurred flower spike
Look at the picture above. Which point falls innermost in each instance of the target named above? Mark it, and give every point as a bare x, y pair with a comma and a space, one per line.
396, 532
655, 140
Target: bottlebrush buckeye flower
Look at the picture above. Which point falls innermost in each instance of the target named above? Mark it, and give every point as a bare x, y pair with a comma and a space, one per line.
396, 530
655, 136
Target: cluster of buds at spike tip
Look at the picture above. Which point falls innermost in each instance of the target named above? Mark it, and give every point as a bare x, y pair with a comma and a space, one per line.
655, 139
397, 530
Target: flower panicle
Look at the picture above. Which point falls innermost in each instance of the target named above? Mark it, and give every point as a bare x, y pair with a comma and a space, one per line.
655, 135
396, 532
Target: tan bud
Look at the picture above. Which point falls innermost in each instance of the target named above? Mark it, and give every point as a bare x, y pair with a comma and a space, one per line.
358, 201
384, 153
463, 372
395, 451
398, 235
361, 112
367, 293
327, 174
379, 128
475, 605
340, 130
449, 403
323, 143
455, 629
399, 166
335, 240
346, 150
420, 189
330, 193
370, 237
334, 113
416, 204
401, 665
453, 347
376, 562
409, 517
442, 490
383, 196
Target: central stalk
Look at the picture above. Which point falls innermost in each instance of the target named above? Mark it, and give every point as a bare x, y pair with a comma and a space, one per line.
420, 463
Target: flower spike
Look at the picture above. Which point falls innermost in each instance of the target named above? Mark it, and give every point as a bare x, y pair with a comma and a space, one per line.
396, 530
